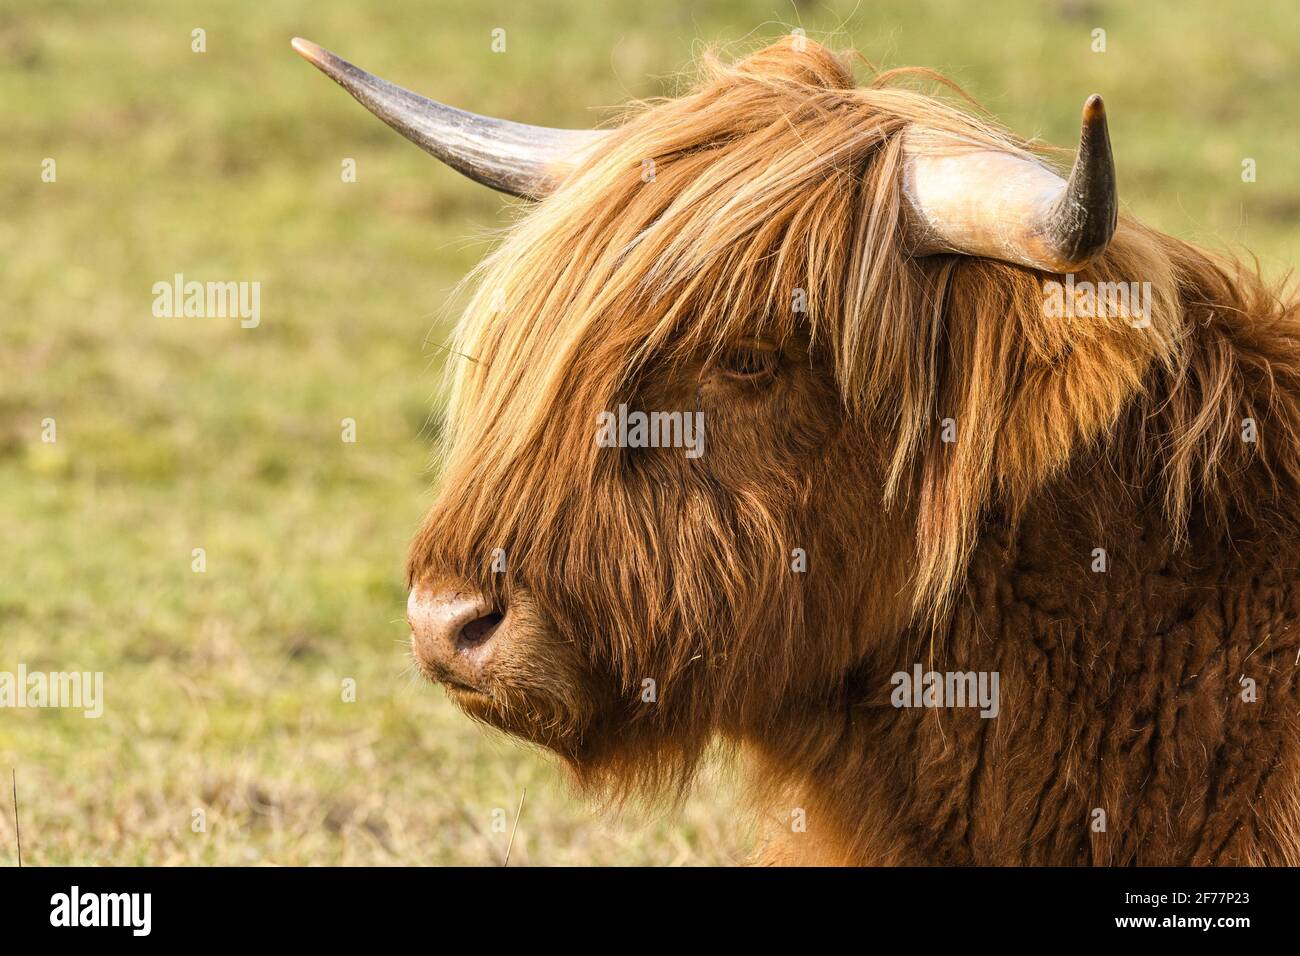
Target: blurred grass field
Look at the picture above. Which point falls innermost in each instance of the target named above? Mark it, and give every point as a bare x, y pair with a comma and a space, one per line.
223, 688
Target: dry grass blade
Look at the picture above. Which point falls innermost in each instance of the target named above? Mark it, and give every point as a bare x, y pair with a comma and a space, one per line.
518, 812
18, 837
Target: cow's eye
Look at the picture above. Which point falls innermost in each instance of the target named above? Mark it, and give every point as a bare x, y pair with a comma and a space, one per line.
749, 363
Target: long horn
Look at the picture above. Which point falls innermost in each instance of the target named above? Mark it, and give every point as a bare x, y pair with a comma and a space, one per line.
968, 198
514, 158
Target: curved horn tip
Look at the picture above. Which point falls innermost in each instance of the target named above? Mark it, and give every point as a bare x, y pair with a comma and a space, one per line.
311, 52
1084, 221
328, 63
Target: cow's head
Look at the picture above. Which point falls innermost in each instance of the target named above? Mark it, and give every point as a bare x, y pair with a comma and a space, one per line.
833, 280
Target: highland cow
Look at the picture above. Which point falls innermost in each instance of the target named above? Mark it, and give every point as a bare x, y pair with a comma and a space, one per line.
913, 467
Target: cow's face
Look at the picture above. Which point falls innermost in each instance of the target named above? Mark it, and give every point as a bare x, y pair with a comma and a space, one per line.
601, 599
578, 586
694, 463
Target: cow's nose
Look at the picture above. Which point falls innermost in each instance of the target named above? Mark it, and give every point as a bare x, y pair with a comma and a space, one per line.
451, 633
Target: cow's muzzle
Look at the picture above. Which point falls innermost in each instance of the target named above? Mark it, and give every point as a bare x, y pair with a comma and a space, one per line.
452, 636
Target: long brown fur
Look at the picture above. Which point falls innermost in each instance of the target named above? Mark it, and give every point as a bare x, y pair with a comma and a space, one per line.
1121, 691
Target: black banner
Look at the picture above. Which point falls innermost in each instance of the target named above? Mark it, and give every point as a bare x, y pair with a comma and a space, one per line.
334, 906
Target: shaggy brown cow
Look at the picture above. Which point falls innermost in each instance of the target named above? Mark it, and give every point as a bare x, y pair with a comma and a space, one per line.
916, 461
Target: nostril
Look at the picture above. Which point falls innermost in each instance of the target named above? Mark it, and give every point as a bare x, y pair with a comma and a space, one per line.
478, 631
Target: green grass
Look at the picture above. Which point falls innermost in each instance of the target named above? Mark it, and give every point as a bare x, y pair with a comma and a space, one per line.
223, 688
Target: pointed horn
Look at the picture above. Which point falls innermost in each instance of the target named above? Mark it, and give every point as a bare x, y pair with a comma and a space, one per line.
968, 198
514, 158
